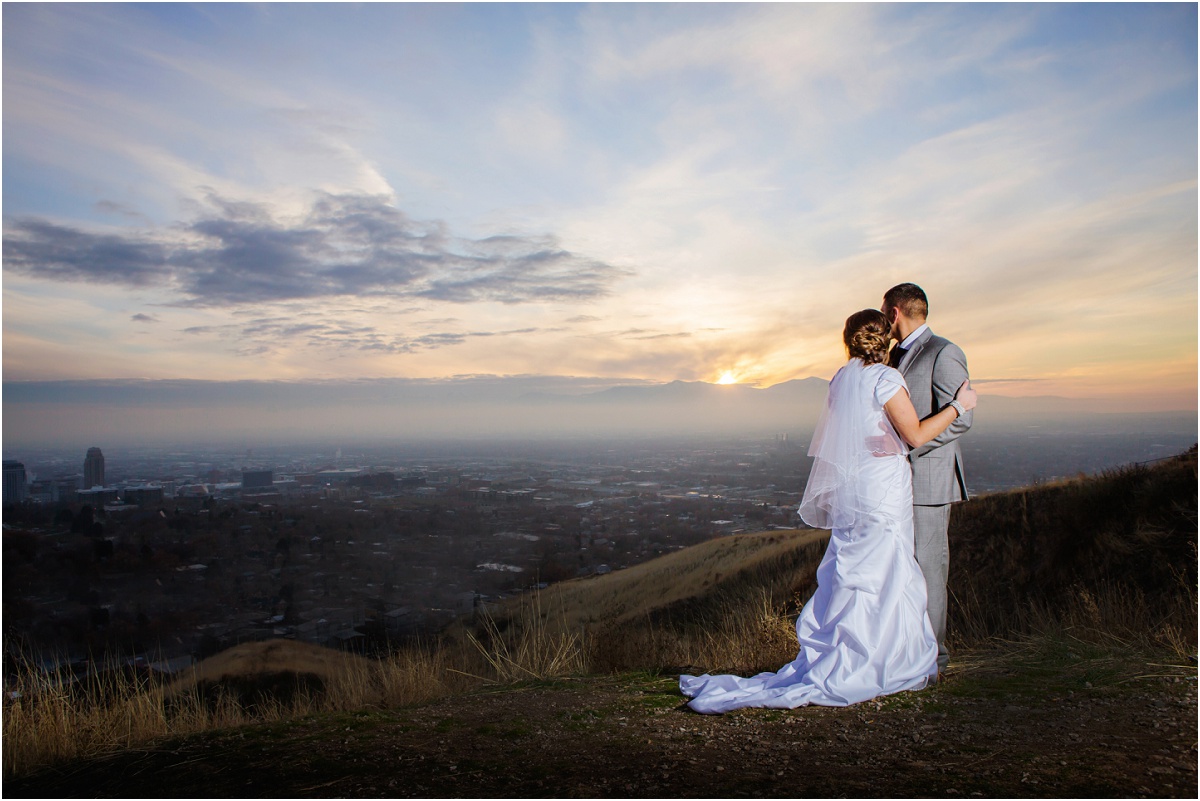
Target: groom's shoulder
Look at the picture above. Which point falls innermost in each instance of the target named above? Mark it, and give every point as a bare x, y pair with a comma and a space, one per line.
941, 348
939, 342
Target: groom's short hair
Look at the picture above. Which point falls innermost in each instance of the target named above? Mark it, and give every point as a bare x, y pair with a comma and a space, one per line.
909, 299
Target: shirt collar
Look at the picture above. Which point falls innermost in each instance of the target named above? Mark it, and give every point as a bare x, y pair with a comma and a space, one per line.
911, 338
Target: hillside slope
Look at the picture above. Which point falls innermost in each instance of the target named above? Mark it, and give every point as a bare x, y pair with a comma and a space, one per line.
1119, 546
1114, 551
684, 577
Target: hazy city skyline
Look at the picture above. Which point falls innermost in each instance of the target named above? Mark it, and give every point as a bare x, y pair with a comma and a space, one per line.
592, 195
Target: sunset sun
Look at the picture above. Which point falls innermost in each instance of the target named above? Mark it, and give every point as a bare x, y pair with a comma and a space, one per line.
727, 377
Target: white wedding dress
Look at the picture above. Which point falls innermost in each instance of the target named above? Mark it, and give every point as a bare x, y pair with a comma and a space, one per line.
865, 632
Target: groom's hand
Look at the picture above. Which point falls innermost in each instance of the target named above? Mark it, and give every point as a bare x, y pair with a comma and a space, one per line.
949, 373
967, 396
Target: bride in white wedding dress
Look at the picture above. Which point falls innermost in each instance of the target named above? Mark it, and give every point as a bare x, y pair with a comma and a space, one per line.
865, 632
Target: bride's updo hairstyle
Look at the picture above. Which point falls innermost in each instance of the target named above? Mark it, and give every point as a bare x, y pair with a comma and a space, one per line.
867, 335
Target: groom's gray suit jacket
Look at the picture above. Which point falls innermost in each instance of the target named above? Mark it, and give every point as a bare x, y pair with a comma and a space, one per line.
934, 368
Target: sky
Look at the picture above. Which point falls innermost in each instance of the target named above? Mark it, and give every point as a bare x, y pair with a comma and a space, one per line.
601, 193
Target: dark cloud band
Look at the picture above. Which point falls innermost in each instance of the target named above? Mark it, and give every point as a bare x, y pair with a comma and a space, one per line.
346, 245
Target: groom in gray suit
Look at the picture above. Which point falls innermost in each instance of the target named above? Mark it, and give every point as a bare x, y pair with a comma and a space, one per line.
934, 368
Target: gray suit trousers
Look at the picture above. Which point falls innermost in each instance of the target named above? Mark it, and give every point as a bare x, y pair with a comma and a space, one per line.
932, 549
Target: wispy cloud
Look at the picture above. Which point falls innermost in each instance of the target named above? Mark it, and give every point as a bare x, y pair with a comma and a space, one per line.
345, 245
643, 335
268, 334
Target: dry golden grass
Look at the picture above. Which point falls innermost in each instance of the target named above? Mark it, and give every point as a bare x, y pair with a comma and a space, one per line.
533, 646
54, 718
747, 638
634, 592
271, 656
330, 680
728, 603
1113, 554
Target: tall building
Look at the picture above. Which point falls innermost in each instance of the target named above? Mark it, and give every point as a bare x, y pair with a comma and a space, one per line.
93, 469
14, 481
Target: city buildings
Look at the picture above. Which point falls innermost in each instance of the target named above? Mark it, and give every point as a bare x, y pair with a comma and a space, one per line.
14, 481
145, 495
192, 557
257, 479
63, 489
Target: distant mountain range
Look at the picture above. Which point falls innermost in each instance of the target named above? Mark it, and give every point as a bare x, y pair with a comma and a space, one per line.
804, 389
797, 403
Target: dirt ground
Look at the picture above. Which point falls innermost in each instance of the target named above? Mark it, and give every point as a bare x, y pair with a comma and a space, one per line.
999, 733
